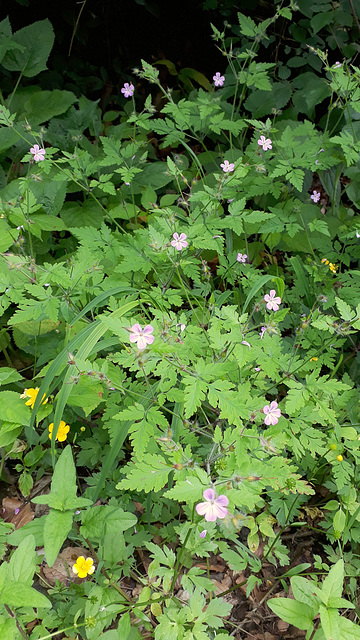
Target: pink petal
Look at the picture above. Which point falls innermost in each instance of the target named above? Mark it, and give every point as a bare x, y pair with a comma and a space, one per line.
136, 328
273, 405
211, 513
268, 420
141, 342
176, 236
183, 236
221, 512
266, 409
209, 494
222, 500
149, 339
272, 293
148, 329
133, 337
202, 508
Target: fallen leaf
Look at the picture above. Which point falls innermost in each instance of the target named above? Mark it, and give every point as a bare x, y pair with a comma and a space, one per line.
62, 567
17, 511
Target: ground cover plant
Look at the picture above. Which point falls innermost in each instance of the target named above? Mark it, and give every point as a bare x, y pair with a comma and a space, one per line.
180, 310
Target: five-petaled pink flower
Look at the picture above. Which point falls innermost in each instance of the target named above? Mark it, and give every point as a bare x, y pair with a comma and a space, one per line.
218, 79
265, 143
179, 241
272, 413
315, 196
214, 507
142, 337
227, 166
272, 300
128, 90
39, 154
241, 257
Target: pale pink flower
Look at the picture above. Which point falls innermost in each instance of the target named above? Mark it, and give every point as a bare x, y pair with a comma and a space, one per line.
357, 234
272, 413
337, 65
203, 533
218, 79
142, 337
265, 143
179, 242
272, 300
128, 90
214, 507
39, 154
315, 196
241, 257
227, 166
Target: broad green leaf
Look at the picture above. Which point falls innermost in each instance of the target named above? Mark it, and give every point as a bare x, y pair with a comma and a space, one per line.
13, 408
330, 619
22, 563
297, 613
44, 105
37, 40
8, 375
56, 528
333, 583
19, 594
35, 527
98, 519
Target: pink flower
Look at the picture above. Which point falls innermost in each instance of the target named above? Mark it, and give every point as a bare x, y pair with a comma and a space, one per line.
227, 166
179, 242
272, 300
203, 533
315, 196
265, 143
142, 337
241, 257
272, 413
128, 90
213, 507
39, 154
218, 79
337, 65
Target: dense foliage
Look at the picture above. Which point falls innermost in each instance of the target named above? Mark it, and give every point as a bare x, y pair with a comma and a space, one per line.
180, 306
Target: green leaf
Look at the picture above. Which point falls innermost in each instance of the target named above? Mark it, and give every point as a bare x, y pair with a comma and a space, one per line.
303, 591
37, 40
149, 475
56, 529
330, 619
64, 479
13, 408
35, 527
297, 613
44, 105
189, 490
19, 594
95, 521
333, 583
7, 376
8, 627
25, 483
22, 563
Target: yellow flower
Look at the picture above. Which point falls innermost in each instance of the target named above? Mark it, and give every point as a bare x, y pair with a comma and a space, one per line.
83, 567
62, 431
340, 458
325, 260
82, 428
32, 395
314, 359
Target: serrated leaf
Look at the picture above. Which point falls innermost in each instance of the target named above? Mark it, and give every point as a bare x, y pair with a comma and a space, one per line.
37, 41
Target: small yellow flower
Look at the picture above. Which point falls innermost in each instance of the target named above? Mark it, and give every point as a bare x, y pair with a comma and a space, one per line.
325, 260
314, 359
339, 458
82, 428
32, 395
62, 432
83, 567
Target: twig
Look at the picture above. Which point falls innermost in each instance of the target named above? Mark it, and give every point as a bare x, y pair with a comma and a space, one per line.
20, 629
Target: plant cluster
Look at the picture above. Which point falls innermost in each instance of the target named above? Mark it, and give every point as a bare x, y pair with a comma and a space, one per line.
179, 315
